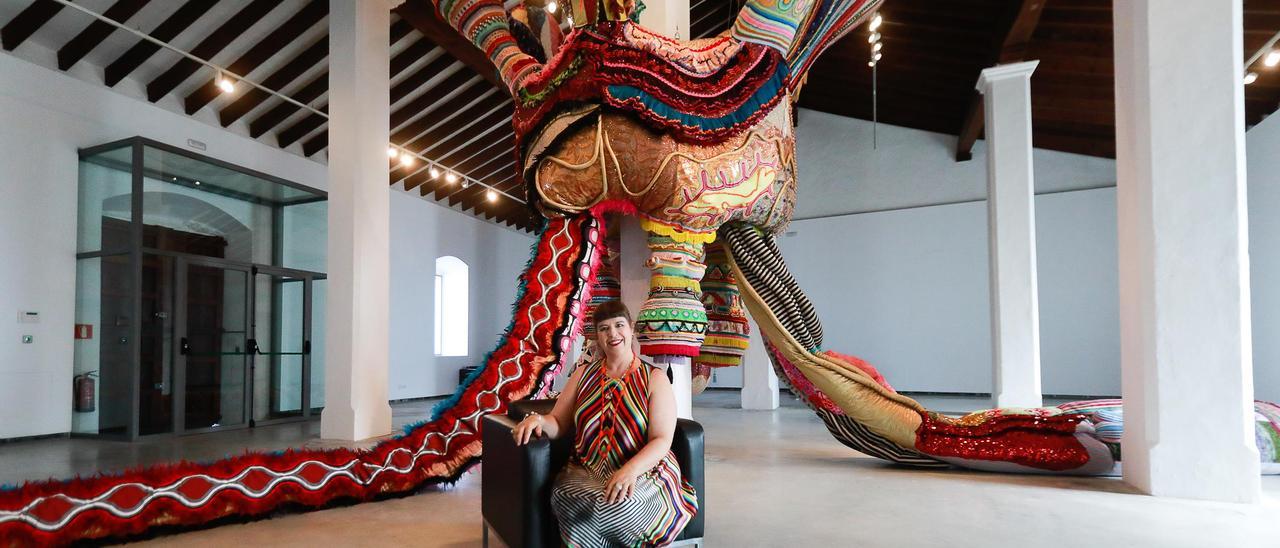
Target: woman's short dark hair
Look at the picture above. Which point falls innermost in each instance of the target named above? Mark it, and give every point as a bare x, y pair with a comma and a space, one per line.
609, 310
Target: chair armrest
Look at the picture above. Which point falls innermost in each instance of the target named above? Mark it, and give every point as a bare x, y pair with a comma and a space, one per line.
516, 485
688, 446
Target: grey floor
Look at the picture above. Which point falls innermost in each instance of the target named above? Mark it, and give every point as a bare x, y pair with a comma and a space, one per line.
775, 478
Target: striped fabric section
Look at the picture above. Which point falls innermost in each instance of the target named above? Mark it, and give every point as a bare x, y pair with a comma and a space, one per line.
762, 263
611, 418
799, 29
857, 437
484, 23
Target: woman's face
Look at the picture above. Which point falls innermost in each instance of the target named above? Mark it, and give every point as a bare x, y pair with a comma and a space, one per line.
614, 335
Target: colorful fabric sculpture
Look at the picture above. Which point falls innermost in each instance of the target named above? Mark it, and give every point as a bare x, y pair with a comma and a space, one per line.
672, 320
696, 139
728, 329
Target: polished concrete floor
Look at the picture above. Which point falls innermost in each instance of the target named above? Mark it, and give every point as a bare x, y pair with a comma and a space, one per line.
776, 478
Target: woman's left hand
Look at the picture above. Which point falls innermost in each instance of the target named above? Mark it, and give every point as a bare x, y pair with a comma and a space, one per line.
620, 487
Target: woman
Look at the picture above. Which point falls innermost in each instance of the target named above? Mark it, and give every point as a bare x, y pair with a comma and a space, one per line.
622, 487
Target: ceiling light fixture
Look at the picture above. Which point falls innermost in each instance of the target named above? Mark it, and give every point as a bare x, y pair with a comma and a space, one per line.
1250, 78
225, 84
392, 152
552, 6
435, 173
406, 159
450, 177
875, 22
1272, 59
491, 196
875, 37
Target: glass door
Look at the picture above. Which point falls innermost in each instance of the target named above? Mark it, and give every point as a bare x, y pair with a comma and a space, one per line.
282, 334
214, 345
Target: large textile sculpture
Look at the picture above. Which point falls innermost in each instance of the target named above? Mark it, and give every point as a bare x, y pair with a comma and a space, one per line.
695, 138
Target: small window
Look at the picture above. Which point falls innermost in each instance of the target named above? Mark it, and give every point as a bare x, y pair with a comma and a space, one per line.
451, 307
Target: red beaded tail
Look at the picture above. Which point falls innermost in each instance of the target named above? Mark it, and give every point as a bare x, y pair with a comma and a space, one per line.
548, 312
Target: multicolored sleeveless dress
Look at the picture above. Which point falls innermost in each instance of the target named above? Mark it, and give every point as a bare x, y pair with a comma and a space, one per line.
611, 417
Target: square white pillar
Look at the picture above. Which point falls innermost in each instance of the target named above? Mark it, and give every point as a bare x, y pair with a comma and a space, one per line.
1011, 228
759, 381
359, 260
1186, 348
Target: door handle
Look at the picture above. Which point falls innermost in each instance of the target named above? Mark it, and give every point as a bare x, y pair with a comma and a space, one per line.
184, 347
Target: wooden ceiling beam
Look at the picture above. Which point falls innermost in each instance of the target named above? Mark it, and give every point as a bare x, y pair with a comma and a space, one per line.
424, 18
417, 108
452, 116
469, 160
27, 22
473, 128
411, 55
296, 67
1012, 49
209, 47
97, 31
415, 81
499, 162
124, 65
273, 43
272, 118
301, 128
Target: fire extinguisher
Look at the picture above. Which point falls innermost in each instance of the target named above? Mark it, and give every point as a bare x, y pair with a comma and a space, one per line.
85, 388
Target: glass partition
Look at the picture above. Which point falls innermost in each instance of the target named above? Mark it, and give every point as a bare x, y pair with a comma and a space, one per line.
194, 294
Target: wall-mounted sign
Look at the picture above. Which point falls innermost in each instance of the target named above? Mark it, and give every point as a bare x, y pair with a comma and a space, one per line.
84, 331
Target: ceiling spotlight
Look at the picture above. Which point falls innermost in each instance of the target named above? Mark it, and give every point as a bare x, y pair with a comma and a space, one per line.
876, 57
1250, 78
406, 159
197, 183
1272, 59
450, 177
225, 84
552, 6
873, 38
392, 152
877, 46
875, 22
871, 63
435, 173
491, 196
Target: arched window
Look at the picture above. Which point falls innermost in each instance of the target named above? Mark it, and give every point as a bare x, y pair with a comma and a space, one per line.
451, 307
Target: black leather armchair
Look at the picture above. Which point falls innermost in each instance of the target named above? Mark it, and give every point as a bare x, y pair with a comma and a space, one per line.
516, 480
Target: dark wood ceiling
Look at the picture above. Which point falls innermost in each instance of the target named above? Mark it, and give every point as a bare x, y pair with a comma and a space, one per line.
447, 103
934, 51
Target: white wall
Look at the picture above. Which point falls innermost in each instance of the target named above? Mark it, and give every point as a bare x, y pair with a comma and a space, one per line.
495, 258
907, 291
45, 116
907, 288
840, 173
1263, 156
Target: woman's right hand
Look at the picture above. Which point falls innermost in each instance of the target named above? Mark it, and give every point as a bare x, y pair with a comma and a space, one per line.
528, 428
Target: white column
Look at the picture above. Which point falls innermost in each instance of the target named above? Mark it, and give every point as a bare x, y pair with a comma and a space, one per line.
633, 275
1011, 229
1186, 349
670, 17
356, 330
759, 382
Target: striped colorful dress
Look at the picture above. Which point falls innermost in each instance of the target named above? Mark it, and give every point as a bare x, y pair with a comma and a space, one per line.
611, 418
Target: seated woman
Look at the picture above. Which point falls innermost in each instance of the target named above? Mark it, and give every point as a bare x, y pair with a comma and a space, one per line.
622, 486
